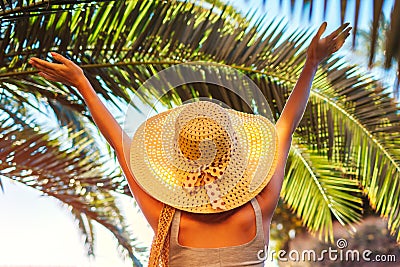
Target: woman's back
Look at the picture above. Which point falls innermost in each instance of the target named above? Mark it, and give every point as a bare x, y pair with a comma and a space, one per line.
235, 240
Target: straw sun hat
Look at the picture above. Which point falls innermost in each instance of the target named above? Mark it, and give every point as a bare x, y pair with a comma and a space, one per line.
204, 158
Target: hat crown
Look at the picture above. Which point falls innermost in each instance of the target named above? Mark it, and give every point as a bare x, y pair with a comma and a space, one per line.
203, 110
203, 133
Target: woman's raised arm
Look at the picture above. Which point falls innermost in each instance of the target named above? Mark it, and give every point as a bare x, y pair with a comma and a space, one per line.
318, 50
294, 108
71, 74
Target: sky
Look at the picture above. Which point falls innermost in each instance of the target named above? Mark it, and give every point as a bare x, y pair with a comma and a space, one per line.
36, 230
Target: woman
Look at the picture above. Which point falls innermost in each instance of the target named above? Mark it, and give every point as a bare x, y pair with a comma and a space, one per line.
232, 236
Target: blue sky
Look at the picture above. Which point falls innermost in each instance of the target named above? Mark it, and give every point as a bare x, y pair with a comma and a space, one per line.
36, 230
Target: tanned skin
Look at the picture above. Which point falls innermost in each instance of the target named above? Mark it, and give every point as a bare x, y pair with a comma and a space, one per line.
229, 228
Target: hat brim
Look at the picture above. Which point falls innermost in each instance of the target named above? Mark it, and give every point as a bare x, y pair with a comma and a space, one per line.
157, 176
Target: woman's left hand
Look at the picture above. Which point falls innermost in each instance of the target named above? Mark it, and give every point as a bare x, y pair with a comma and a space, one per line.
66, 72
320, 49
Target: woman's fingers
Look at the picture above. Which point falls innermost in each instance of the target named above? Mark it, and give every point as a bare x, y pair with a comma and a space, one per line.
60, 58
37, 62
335, 33
47, 64
47, 76
65, 71
339, 41
44, 69
338, 37
48, 68
343, 36
322, 29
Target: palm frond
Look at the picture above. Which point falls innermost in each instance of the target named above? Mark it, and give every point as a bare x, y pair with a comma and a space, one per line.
371, 139
316, 189
30, 157
86, 227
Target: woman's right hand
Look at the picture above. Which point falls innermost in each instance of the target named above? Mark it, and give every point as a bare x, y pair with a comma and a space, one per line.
321, 48
67, 72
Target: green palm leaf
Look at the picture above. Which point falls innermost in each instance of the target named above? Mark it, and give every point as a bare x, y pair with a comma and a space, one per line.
315, 188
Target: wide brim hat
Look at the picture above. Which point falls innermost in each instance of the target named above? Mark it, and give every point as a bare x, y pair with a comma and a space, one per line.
203, 158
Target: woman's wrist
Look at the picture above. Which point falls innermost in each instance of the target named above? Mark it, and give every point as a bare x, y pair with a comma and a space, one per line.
312, 63
81, 83
85, 88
